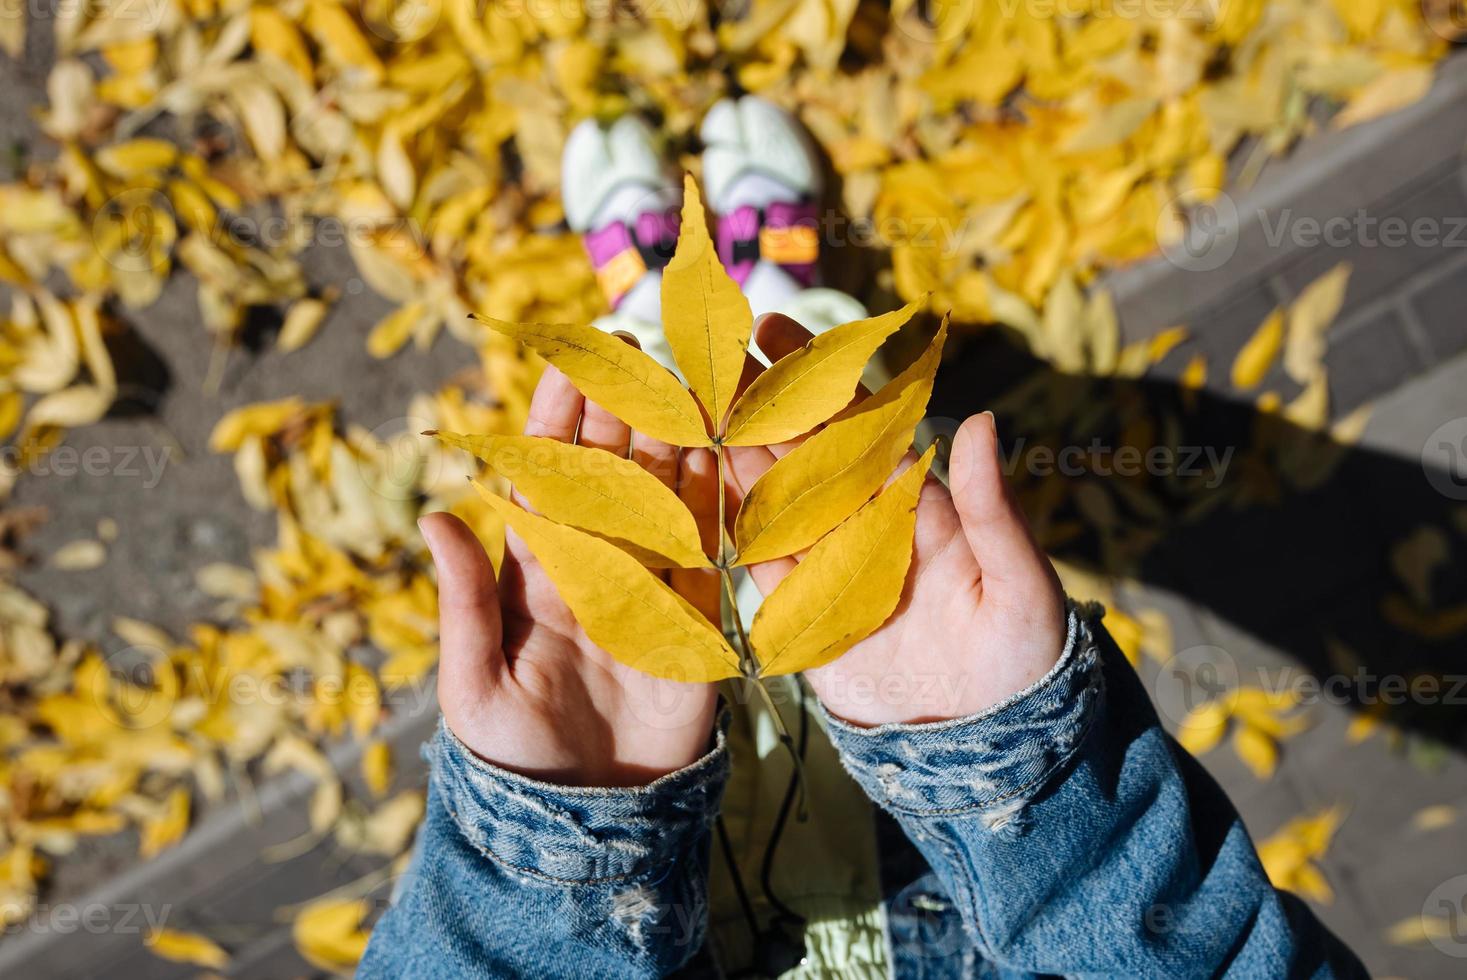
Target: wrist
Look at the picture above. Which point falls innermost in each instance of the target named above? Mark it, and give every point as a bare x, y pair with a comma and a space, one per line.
577, 834
996, 757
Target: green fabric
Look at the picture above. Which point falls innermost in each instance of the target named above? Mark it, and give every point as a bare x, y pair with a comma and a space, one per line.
825, 867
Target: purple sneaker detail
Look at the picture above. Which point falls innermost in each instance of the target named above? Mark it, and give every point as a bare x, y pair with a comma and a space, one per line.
786, 234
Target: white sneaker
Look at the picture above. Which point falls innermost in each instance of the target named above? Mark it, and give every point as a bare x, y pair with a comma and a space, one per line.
762, 179
624, 203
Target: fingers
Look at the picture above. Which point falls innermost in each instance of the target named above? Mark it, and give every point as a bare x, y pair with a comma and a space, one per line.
995, 527
555, 407
470, 630
602, 430
778, 335
697, 485
657, 458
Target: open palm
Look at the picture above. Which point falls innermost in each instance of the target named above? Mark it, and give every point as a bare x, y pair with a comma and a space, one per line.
519, 681
982, 614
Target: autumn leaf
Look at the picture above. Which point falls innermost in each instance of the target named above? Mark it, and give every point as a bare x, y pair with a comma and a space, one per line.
328, 933
1310, 317
615, 375
602, 494
846, 587
704, 313
186, 947
1259, 353
1288, 855
624, 608
814, 487
808, 386
377, 767
1257, 750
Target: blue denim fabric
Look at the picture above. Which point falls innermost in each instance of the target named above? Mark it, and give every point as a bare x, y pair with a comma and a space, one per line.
1067, 833
514, 877
1075, 837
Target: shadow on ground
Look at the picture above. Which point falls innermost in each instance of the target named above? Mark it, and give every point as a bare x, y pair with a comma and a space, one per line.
1277, 529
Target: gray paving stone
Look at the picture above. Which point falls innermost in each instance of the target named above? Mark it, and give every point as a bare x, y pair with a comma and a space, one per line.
1386, 243
1369, 360
1440, 305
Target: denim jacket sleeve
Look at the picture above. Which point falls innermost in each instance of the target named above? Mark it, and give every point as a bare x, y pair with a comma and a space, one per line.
1076, 837
516, 877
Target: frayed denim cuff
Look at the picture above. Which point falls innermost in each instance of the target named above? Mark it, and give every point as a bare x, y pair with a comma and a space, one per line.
573, 834
993, 761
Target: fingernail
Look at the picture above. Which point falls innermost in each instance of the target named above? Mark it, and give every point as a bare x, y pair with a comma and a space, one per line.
424, 526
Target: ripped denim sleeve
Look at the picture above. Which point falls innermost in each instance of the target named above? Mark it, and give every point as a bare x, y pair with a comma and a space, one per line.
1074, 836
988, 764
516, 877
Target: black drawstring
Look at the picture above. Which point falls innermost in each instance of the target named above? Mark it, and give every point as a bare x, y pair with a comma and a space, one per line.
781, 947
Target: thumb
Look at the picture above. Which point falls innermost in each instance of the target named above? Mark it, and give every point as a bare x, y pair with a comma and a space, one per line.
995, 527
470, 631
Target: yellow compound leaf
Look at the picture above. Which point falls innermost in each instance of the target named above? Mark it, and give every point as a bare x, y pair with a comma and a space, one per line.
808, 386
823, 481
615, 375
328, 933
846, 587
704, 313
1259, 353
186, 947
599, 492
624, 608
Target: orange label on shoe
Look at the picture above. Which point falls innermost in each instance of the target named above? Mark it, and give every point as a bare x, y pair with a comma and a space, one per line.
796, 245
621, 274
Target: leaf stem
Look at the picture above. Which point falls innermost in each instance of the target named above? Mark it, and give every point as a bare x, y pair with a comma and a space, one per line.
746, 650
749, 663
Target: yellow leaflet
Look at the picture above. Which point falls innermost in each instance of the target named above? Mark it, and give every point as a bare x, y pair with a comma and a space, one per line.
819, 484
1258, 354
624, 608
597, 491
328, 933
618, 377
1203, 727
704, 314
377, 767
846, 587
166, 827
259, 419
805, 388
1309, 318
273, 32
1259, 752
186, 947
